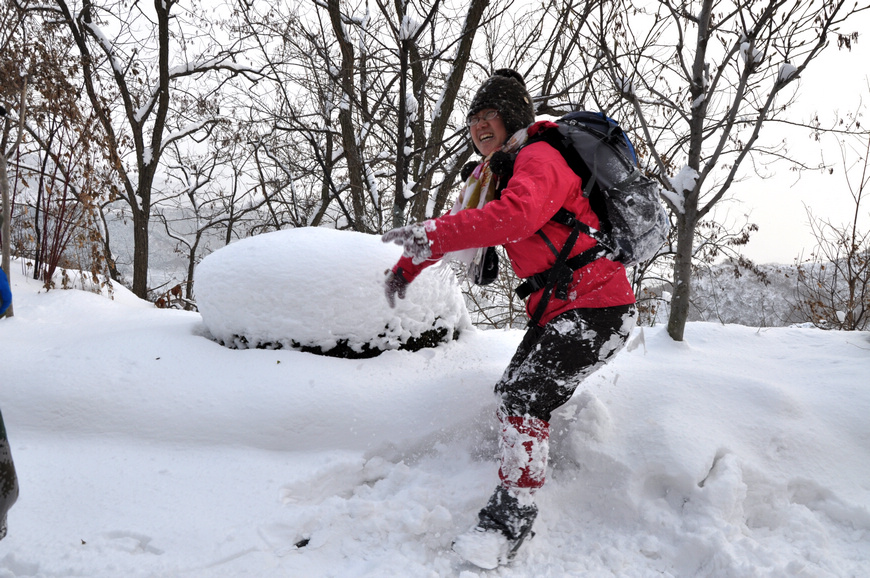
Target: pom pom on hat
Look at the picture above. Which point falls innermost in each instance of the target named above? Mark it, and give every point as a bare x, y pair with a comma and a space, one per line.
510, 73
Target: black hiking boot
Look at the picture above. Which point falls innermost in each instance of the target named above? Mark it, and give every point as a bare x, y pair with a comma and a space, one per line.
503, 525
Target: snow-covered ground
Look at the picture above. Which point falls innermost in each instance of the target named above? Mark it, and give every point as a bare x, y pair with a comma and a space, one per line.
145, 449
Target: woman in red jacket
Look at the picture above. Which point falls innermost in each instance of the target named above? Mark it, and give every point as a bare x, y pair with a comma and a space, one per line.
512, 204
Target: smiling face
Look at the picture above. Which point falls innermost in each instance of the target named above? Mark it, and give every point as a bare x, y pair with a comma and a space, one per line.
488, 135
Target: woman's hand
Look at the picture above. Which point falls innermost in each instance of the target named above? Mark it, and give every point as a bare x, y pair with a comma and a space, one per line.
395, 284
414, 242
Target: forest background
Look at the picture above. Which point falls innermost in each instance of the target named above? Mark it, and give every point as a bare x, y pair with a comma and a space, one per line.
138, 138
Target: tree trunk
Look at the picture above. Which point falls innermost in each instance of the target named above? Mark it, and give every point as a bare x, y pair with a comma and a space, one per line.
5, 197
680, 298
140, 253
440, 123
688, 220
400, 200
352, 152
5, 228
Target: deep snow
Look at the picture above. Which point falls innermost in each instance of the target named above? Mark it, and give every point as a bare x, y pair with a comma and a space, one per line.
145, 449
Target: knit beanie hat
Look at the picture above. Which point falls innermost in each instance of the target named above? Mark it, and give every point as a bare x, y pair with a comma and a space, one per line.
506, 92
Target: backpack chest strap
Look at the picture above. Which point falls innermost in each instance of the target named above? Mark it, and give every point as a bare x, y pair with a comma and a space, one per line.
539, 281
557, 280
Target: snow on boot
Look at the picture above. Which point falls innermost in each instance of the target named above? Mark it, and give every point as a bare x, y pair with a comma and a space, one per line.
484, 548
505, 513
503, 525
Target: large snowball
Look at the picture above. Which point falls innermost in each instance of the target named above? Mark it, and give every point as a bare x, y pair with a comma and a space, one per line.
322, 290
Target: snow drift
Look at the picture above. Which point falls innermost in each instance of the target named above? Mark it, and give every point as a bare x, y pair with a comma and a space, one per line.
321, 290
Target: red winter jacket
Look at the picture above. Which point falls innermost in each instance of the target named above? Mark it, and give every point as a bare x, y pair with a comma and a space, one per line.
541, 184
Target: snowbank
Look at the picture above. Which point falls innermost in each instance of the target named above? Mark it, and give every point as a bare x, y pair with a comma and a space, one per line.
322, 290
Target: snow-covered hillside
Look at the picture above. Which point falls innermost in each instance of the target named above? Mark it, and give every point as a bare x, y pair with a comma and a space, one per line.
730, 293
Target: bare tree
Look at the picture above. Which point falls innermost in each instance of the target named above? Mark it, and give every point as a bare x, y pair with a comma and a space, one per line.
135, 63
58, 166
439, 148
703, 78
834, 281
7, 149
213, 200
10, 140
289, 120
367, 92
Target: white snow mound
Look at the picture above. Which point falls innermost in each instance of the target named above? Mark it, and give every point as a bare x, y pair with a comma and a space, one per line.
321, 289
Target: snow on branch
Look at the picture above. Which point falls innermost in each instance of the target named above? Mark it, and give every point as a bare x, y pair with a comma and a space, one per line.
786, 72
39, 8
409, 29
625, 87
141, 112
188, 69
218, 62
682, 183
188, 130
107, 46
752, 56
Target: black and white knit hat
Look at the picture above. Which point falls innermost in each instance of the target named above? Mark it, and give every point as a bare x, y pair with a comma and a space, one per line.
506, 92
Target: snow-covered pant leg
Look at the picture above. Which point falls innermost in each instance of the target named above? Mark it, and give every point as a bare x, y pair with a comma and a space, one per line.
551, 361
525, 447
8, 479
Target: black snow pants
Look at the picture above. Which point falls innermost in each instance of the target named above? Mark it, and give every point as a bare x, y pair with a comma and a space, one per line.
552, 360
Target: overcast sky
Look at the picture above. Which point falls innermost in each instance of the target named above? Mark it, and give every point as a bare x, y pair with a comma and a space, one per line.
836, 82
